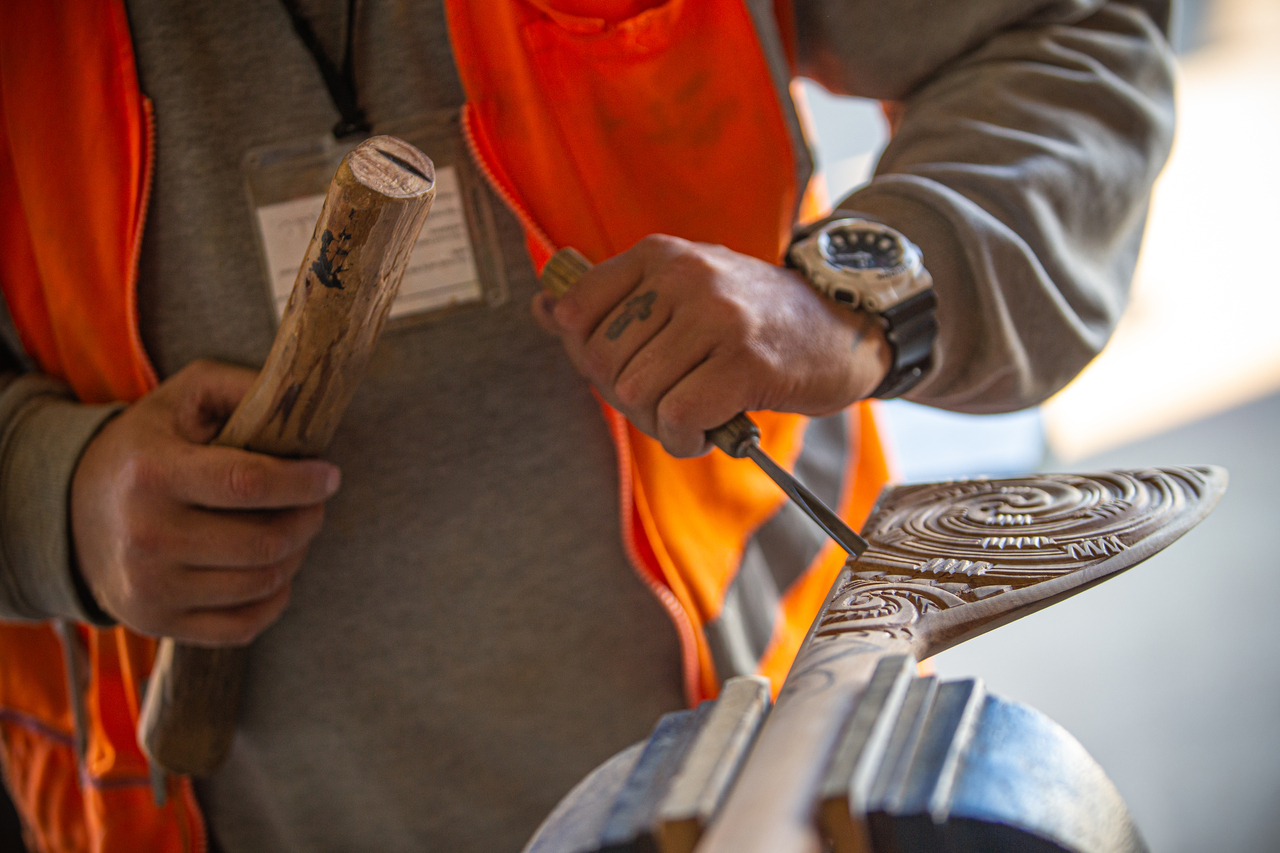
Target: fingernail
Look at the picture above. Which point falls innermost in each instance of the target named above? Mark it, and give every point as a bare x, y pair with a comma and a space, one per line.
333, 481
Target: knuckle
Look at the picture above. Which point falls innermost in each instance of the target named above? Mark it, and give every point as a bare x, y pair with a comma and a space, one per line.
270, 546
204, 367
729, 313
627, 393
141, 472
632, 389
675, 414
660, 244
143, 590
198, 372
141, 541
246, 480
692, 265
274, 578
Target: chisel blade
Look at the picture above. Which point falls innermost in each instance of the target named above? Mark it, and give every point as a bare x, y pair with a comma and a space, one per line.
826, 519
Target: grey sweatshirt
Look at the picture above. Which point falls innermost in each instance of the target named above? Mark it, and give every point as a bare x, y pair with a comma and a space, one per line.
466, 639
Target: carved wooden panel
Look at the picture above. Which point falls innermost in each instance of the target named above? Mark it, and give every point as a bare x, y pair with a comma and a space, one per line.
943, 545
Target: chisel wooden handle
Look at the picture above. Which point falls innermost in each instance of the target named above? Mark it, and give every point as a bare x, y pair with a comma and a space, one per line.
372, 216
564, 269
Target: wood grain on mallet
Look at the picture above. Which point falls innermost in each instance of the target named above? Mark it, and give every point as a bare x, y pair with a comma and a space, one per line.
372, 215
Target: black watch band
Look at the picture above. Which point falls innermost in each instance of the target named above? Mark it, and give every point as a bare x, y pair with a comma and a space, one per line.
910, 328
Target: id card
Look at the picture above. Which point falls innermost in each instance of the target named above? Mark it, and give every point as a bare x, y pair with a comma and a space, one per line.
454, 264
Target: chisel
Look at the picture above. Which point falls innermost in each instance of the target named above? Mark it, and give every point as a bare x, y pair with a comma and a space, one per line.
739, 437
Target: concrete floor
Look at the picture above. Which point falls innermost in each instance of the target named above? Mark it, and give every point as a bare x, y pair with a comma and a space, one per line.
1168, 674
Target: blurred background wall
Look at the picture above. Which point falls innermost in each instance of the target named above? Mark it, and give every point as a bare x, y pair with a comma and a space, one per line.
1168, 675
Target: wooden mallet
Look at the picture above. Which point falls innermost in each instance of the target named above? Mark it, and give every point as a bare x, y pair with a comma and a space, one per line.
372, 216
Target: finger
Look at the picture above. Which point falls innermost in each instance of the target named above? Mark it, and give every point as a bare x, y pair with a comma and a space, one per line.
656, 368
542, 306
223, 589
626, 330
236, 626
230, 478
600, 289
230, 540
205, 394
709, 395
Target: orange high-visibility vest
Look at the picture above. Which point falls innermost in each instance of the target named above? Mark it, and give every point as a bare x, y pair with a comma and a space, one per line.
602, 121
75, 166
678, 90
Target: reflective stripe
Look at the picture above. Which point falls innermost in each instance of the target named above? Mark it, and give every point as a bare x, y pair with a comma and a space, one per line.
778, 553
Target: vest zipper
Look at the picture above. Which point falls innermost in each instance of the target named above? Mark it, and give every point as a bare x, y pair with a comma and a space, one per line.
527, 222
626, 505
144, 203
622, 444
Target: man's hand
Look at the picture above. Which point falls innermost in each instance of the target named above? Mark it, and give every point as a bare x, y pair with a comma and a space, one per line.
176, 538
681, 336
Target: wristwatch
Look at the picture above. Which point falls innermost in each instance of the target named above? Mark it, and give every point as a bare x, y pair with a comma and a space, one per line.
868, 266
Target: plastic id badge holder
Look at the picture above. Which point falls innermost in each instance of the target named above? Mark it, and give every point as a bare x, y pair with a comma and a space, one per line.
455, 263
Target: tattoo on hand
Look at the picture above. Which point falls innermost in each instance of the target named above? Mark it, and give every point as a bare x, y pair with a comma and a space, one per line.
636, 308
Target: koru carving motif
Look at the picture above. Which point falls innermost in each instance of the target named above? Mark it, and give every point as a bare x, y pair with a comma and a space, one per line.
943, 545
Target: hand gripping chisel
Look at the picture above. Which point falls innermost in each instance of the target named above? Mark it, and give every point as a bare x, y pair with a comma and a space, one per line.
739, 437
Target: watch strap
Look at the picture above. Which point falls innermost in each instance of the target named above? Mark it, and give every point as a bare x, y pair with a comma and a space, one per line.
910, 328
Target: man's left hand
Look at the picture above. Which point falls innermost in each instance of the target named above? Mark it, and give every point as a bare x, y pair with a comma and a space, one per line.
682, 336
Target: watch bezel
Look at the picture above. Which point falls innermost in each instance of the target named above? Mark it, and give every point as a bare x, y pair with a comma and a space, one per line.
874, 289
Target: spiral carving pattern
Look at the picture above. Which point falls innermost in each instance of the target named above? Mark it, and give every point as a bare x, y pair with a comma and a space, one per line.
943, 545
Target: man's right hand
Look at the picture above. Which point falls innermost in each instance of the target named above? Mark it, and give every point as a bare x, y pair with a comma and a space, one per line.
180, 539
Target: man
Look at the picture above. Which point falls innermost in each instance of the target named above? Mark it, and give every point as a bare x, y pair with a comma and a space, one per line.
467, 638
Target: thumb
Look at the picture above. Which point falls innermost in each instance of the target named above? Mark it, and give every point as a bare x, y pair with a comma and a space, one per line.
542, 307
204, 394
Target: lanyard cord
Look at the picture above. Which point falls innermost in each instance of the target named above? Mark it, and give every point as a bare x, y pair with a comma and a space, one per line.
341, 83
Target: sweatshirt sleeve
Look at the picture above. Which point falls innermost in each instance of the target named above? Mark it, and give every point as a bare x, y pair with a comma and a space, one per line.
43, 432
1028, 141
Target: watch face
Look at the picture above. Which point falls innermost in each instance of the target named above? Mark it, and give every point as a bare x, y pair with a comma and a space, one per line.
854, 248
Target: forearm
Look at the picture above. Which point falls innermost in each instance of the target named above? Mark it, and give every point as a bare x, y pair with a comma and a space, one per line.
43, 432
1022, 168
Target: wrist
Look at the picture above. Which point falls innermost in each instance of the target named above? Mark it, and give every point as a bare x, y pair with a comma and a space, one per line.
868, 267
47, 439
872, 354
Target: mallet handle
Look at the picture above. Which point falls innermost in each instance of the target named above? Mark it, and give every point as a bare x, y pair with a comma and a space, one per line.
372, 216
